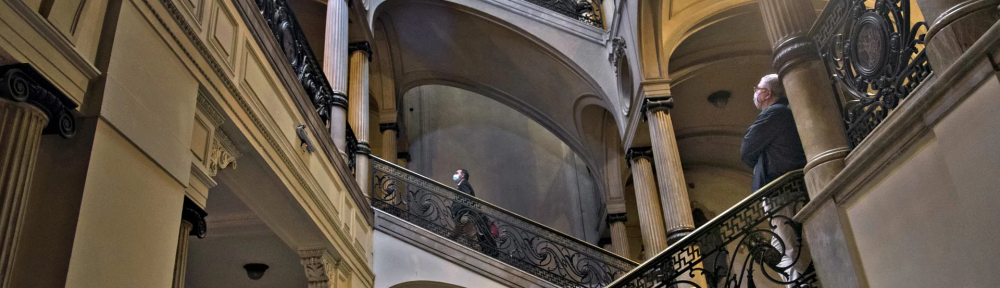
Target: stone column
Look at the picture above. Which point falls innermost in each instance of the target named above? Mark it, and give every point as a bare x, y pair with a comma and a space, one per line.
192, 224
335, 59
654, 237
357, 111
389, 132
28, 103
670, 177
954, 25
321, 268
619, 237
819, 123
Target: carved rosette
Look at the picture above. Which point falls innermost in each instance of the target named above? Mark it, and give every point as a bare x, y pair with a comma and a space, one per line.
224, 153
22, 83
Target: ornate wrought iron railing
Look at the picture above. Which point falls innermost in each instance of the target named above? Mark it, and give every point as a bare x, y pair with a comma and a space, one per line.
740, 247
588, 11
286, 30
875, 57
491, 230
351, 149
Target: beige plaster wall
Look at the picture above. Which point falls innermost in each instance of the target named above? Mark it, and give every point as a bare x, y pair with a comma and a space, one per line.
126, 235
932, 220
513, 161
397, 262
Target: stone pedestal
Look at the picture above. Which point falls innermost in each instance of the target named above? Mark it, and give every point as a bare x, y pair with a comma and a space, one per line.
654, 237
670, 176
357, 111
619, 236
335, 59
27, 103
820, 126
954, 25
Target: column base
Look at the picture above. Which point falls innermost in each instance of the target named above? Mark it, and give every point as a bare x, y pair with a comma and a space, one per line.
957, 29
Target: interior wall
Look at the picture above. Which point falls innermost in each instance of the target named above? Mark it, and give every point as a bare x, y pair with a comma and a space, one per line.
397, 262
513, 161
932, 221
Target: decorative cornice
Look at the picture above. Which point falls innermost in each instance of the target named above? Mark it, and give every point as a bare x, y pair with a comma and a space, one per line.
638, 152
362, 46
388, 126
209, 109
364, 148
403, 155
617, 52
617, 217
793, 51
656, 104
196, 216
22, 83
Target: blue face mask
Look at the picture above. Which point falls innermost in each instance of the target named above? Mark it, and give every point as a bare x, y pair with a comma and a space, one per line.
454, 177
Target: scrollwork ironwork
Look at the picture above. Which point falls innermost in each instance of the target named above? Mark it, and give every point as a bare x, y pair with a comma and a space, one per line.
584, 10
286, 30
876, 57
739, 248
510, 238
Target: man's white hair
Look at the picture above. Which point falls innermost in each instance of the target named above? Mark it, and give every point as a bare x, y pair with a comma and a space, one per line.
773, 83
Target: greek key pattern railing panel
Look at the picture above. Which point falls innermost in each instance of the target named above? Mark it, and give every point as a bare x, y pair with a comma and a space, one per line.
739, 248
875, 55
507, 237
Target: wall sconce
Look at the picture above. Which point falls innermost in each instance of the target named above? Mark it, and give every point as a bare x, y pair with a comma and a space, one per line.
719, 98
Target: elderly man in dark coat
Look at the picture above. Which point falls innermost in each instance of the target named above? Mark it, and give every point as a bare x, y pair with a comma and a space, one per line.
772, 147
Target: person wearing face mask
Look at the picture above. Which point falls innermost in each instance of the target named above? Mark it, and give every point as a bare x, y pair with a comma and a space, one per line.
471, 226
772, 148
461, 178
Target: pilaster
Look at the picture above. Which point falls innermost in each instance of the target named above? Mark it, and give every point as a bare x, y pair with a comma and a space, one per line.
654, 237
403, 159
28, 106
670, 176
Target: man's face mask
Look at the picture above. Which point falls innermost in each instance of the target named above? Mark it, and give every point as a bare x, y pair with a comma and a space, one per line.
454, 177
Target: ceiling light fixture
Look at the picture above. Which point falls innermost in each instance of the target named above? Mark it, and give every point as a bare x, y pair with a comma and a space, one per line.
719, 98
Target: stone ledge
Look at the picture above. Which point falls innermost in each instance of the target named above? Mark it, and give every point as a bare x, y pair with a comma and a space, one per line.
456, 253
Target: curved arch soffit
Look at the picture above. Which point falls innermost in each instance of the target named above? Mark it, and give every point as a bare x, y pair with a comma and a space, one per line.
552, 52
686, 25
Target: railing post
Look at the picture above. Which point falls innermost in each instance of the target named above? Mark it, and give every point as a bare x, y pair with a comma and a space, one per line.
819, 123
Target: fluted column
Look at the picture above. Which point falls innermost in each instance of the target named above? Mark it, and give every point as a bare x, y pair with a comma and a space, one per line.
954, 25
192, 224
321, 268
27, 103
818, 121
403, 159
619, 237
357, 111
670, 177
335, 59
654, 237
389, 132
